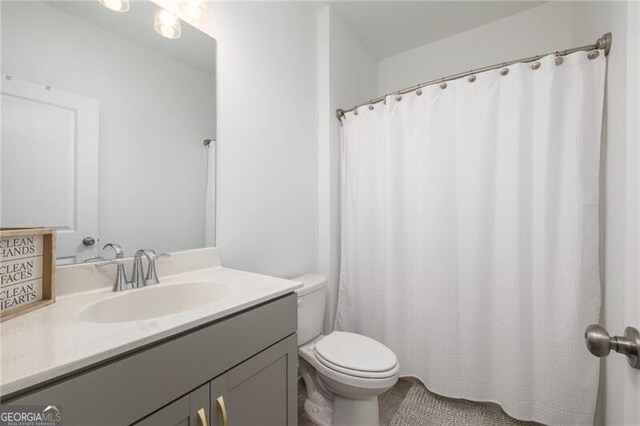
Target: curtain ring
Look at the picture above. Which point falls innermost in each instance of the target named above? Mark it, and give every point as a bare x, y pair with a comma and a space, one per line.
593, 54
535, 65
398, 98
559, 60
504, 71
472, 78
355, 111
419, 92
370, 107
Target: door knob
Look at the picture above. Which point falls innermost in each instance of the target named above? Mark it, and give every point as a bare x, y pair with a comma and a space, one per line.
600, 343
88, 241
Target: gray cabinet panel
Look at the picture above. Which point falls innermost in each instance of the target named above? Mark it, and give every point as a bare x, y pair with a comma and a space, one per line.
258, 391
262, 398
174, 414
131, 387
186, 411
292, 380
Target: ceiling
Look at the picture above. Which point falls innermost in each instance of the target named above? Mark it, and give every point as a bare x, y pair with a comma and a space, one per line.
390, 27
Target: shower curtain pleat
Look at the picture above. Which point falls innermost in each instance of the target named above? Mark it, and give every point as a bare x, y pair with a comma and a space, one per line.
470, 235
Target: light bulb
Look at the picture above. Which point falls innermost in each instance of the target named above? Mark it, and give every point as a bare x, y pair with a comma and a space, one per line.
117, 5
192, 8
167, 24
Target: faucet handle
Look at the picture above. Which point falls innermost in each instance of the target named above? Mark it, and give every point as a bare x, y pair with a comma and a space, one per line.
152, 275
116, 248
138, 278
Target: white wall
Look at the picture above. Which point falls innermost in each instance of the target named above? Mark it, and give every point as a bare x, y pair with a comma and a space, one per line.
150, 139
632, 277
267, 206
283, 69
590, 19
542, 29
349, 78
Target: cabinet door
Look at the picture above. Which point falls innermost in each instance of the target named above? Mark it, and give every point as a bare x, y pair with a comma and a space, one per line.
190, 410
219, 399
258, 391
199, 408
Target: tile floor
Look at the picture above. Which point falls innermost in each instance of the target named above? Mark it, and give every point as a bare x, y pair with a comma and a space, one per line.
388, 402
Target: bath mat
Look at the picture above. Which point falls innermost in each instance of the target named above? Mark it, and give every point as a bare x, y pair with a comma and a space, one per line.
421, 407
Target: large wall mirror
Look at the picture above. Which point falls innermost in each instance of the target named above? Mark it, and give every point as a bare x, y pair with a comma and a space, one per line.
103, 124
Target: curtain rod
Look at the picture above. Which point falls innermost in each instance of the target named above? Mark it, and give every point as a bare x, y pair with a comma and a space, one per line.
603, 43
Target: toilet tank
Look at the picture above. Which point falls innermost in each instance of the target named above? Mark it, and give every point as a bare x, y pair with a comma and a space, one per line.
311, 304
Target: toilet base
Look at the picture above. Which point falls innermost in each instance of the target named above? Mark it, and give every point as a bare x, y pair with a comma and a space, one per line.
320, 415
355, 412
345, 412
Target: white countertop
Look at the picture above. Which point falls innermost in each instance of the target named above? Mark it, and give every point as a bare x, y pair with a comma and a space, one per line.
53, 340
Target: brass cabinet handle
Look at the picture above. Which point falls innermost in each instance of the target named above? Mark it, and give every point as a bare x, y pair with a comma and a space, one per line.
222, 408
202, 417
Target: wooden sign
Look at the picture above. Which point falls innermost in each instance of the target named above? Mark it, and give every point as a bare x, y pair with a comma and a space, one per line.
27, 270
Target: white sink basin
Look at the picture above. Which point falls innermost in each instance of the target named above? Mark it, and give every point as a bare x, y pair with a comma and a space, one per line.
154, 301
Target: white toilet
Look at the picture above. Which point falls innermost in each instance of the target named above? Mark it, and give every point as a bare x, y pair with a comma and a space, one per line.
343, 372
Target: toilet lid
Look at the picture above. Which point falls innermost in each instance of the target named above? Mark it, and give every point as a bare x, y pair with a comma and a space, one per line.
355, 352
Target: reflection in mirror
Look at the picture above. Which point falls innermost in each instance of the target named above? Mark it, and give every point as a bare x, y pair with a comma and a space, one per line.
103, 123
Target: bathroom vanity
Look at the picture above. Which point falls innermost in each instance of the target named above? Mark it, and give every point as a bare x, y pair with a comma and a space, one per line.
230, 359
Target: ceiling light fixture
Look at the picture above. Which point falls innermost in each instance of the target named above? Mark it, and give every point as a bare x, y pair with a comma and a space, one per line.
193, 8
117, 5
167, 24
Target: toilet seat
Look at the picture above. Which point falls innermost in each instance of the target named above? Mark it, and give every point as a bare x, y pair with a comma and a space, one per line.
356, 355
357, 373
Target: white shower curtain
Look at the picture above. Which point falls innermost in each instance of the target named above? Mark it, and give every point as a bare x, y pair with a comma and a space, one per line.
470, 235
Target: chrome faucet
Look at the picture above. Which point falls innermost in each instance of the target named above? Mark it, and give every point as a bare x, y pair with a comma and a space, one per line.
152, 276
138, 277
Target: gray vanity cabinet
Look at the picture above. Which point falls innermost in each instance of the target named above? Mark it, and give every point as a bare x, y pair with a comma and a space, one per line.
249, 359
256, 392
